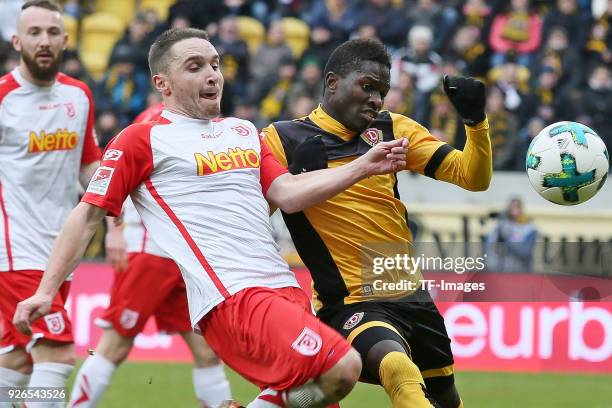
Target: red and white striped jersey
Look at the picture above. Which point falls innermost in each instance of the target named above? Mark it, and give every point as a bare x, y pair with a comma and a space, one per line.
46, 134
199, 187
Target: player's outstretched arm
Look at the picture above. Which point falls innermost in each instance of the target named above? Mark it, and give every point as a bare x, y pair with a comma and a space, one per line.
68, 249
293, 193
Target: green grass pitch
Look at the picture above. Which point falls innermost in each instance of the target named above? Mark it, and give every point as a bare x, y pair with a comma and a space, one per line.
154, 385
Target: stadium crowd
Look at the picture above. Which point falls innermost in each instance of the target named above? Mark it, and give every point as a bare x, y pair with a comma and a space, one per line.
543, 61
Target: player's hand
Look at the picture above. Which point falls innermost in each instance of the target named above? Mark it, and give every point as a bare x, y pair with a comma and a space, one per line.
29, 310
386, 157
309, 155
468, 97
116, 249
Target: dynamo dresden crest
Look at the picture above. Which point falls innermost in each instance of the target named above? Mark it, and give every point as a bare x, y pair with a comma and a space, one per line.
372, 136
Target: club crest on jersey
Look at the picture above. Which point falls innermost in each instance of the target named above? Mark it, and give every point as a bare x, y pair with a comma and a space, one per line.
100, 181
308, 342
70, 109
242, 130
372, 136
55, 322
128, 318
112, 154
353, 321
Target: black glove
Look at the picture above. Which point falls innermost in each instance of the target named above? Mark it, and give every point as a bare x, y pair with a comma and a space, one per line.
309, 155
468, 97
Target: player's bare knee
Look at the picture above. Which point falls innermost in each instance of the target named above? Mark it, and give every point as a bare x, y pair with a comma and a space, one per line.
114, 347
341, 379
205, 357
49, 351
17, 360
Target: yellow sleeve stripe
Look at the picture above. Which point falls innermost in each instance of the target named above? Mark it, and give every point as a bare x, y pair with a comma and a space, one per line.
438, 372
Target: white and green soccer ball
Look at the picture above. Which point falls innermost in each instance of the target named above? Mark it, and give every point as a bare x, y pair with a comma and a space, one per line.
567, 163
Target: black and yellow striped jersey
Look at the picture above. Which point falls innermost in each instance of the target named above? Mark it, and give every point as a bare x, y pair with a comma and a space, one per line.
338, 239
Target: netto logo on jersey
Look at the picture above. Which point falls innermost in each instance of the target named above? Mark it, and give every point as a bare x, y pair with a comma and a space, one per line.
48, 142
237, 158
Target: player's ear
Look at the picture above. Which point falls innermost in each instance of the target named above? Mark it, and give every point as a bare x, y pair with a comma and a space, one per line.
16, 42
331, 82
161, 83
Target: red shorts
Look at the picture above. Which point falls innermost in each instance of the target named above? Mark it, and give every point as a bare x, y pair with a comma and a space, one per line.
271, 337
151, 285
16, 286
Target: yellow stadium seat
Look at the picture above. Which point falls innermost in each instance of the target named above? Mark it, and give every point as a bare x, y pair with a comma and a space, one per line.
161, 7
99, 33
251, 31
95, 63
71, 26
297, 35
121, 8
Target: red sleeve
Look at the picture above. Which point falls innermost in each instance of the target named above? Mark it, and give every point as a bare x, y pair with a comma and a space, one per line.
127, 162
151, 114
270, 168
91, 151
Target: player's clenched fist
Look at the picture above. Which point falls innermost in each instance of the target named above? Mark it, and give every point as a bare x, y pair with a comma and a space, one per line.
467, 96
29, 310
385, 157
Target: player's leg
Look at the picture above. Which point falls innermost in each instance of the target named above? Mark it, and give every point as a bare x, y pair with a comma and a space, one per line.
432, 352
282, 348
209, 381
136, 293
51, 345
15, 369
172, 316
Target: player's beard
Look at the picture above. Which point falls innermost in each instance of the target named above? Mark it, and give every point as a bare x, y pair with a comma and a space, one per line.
42, 73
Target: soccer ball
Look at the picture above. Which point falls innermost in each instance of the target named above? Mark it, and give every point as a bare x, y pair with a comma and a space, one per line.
567, 163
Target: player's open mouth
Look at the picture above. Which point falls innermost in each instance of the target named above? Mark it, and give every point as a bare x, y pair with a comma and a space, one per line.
369, 114
209, 95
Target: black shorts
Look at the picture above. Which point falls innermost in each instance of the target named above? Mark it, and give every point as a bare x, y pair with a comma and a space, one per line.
415, 318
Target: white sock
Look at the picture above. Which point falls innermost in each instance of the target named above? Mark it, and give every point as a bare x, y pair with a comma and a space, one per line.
13, 379
49, 375
91, 382
211, 386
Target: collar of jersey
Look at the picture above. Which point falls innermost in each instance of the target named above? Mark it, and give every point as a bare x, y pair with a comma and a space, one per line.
329, 124
27, 84
181, 119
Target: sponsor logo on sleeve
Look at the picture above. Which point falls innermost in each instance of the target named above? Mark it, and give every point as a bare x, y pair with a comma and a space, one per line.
112, 154
55, 323
100, 181
308, 342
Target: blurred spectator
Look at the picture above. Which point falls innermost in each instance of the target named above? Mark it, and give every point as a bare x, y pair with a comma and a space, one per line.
198, 14
598, 49
234, 56
386, 20
596, 103
180, 21
124, 88
275, 93
248, 110
396, 102
503, 130
567, 15
135, 42
8, 18
557, 53
476, 13
266, 61
10, 62
525, 136
470, 53
322, 43
509, 247
440, 17
420, 62
107, 127
72, 66
308, 84
301, 107
443, 121
515, 32
513, 80
73, 8
154, 25
337, 15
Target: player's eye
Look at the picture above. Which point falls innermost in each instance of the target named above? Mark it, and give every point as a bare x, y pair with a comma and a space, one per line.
367, 88
193, 68
215, 67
